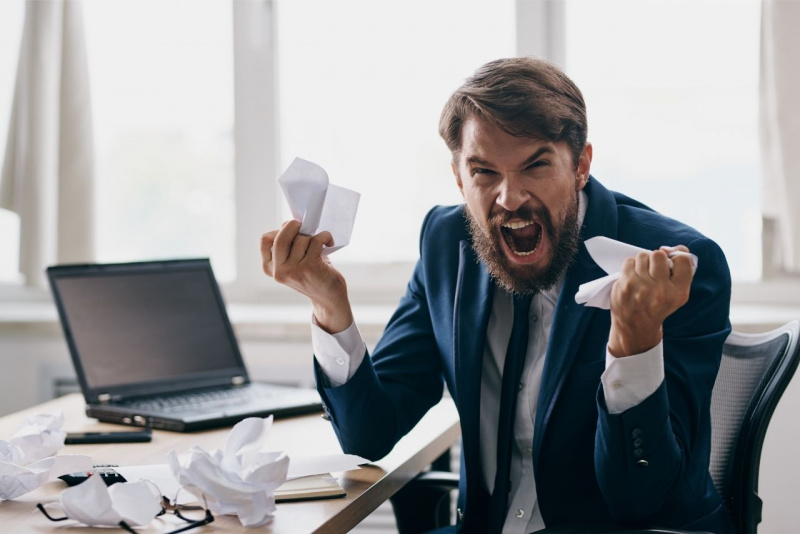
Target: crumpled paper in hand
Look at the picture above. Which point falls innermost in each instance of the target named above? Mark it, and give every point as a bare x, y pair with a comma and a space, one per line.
27, 461
610, 255
97, 505
318, 204
240, 480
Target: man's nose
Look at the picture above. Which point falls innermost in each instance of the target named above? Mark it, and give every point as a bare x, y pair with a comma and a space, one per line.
513, 194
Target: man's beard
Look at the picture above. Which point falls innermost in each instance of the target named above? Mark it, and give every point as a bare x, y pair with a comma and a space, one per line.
564, 240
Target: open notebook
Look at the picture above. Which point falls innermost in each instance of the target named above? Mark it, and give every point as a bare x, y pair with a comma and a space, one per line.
322, 486
312, 487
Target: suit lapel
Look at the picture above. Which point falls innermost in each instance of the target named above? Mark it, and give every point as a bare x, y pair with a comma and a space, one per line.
473, 298
570, 319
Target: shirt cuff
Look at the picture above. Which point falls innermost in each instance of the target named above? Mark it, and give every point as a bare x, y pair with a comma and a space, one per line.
340, 354
630, 380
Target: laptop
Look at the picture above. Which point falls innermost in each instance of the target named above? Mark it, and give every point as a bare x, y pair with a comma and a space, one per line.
153, 346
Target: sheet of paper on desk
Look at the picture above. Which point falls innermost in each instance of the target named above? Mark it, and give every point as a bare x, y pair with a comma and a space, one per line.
160, 475
303, 466
318, 204
610, 255
27, 461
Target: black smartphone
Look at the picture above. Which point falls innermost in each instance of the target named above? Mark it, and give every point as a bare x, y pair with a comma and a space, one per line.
105, 472
125, 436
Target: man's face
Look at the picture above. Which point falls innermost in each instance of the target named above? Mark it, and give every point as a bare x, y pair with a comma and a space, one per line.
522, 203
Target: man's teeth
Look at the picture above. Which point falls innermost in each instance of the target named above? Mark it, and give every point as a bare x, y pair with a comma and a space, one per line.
516, 253
517, 225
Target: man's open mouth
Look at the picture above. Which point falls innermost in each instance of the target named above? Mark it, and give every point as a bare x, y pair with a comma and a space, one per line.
522, 237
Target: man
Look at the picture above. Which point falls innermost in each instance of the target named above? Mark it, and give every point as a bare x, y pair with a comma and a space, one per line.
602, 416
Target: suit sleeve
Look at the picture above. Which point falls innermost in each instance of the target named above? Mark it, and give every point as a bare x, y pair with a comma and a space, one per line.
652, 459
391, 390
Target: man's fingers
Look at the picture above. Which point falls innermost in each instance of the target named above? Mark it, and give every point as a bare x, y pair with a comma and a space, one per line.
681, 248
682, 272
283, 242
642, 265
299, 248
659, 265
266, 251
317, 242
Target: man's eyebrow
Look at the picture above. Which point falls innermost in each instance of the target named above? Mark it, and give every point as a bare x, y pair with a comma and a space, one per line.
539, 153
475, 160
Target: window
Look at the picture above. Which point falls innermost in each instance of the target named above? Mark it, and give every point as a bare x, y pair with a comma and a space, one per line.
162, 95
12, 15
672, 95
361, 87
671, 91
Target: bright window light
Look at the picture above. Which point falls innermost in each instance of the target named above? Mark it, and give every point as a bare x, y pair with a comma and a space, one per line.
361, 87
162, 95
671, 89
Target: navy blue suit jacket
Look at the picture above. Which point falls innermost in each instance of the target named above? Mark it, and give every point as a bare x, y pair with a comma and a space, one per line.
585, 459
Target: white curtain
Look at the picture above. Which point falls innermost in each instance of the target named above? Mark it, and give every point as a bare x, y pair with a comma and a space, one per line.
780, 134
48, 170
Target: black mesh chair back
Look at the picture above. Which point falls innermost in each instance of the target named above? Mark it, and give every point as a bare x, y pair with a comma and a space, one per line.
753, 375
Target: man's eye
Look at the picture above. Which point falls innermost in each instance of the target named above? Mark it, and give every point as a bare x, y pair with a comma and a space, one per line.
538, 163
478, 170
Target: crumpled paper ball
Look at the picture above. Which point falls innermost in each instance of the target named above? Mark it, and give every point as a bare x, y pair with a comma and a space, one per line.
38, 437
240, 480
95, 504
27, 461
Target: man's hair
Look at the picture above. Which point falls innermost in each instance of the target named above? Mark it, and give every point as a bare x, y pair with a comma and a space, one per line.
525, 97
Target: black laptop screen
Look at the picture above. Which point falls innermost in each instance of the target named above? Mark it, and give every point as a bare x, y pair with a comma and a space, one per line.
135, 328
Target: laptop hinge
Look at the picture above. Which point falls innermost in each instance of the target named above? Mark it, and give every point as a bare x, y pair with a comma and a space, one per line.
237, 380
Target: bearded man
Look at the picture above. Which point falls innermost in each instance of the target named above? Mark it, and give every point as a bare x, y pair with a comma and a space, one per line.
570, 415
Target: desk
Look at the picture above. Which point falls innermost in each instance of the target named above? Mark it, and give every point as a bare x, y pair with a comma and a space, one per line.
367, 488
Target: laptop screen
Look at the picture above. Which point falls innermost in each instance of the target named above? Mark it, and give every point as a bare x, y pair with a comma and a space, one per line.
144, 324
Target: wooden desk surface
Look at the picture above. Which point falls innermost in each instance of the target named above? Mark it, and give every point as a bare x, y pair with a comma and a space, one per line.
366, 488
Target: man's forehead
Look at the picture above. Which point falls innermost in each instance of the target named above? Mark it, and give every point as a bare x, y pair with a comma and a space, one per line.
482, 132
483, 141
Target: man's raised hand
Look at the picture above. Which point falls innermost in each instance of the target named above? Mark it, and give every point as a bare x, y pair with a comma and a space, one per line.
644, 296
296, 261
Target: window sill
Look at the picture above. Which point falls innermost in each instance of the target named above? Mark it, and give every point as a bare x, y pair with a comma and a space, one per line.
291, 321
755, 307
252, 322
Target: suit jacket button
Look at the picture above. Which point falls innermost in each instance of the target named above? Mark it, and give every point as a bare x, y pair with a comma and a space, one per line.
636, 432
642, 463
637, 453
638, 442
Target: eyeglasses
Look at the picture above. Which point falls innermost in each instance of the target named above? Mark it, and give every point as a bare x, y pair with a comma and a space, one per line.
167, 507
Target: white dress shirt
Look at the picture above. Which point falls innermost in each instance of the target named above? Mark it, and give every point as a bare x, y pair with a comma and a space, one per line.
626, 382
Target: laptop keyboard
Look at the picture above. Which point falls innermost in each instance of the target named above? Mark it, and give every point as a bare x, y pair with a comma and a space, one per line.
202, 399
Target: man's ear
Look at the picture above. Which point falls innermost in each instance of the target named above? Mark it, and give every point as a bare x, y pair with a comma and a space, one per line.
584, 163
460, 184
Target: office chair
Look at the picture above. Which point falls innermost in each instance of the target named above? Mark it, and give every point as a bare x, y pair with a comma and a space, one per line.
754, 372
